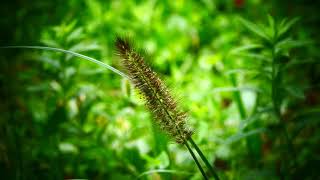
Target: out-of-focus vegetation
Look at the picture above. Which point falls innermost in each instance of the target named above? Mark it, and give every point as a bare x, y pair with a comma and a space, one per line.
249, 81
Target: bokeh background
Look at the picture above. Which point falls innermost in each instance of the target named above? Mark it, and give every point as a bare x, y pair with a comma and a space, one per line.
64, 118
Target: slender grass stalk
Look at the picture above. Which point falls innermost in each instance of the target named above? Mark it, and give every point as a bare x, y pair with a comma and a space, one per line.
71, 53
196, 161
204, 159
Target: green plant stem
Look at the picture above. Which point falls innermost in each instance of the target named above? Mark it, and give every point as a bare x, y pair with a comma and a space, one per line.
253, 143
196, 160
276, 105
204, 159
237, 96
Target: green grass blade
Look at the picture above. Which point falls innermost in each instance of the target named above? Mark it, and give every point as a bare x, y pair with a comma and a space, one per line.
196, 161
71, 53
204, 159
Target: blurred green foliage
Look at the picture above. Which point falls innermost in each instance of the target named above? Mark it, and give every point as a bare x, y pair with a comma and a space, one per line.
249, 81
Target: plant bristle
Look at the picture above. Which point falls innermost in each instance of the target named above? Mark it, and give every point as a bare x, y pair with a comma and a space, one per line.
158, 99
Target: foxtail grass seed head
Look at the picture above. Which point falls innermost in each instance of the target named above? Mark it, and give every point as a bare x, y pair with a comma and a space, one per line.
158, 99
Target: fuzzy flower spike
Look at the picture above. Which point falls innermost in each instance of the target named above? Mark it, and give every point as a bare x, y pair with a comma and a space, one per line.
158, 99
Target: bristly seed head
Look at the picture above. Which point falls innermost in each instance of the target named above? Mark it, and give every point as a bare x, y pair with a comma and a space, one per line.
158, 99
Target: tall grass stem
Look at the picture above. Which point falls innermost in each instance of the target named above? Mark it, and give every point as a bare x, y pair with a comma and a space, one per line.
196, 161
204, 159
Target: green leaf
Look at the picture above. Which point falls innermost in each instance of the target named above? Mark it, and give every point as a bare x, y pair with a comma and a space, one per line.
84, 46
289, 43
271, 30
255, 29
285, 26
256, 56
245, 48
76, 34
271, 22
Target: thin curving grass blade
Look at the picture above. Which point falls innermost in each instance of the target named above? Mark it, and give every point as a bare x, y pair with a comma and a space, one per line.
71, 53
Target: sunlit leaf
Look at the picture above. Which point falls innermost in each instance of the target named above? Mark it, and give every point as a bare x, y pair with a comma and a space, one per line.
76, 34
245, 48
255, 29
255, 56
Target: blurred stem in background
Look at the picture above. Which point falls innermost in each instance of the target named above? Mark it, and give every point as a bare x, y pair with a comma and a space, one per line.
253, 142
277, 98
